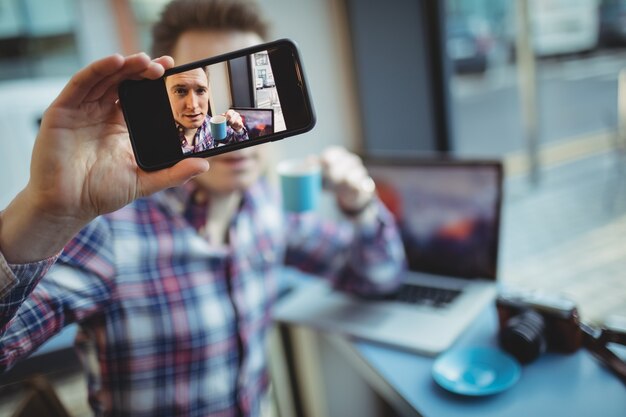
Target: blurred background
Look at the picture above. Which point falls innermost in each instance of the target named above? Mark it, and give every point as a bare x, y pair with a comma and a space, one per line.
533, 83
579, 45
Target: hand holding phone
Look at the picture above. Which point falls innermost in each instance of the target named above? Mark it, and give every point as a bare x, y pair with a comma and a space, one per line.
84, 139
244, 98
82, 163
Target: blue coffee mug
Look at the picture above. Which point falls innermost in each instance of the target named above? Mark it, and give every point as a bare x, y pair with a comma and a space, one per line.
301, 185
218, 127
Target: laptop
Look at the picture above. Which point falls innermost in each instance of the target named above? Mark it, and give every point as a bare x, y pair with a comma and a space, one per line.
258, 121
448, 212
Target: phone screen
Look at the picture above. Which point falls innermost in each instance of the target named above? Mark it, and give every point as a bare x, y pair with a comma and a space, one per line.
212, 106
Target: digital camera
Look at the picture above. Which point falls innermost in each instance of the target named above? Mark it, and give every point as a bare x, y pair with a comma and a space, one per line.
531, 323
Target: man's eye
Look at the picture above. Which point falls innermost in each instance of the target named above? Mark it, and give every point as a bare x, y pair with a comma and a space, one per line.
201, 91
180, 92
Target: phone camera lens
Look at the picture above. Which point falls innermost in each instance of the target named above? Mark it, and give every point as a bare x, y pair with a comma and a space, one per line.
524, 336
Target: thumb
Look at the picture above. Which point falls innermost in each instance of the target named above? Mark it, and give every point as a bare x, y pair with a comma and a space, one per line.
151, 182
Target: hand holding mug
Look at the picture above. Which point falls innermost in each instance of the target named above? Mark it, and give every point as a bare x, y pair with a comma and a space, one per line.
234, 120
345, 175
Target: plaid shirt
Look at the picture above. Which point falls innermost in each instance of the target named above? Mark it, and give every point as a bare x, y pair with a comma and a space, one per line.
170, 324
203, 140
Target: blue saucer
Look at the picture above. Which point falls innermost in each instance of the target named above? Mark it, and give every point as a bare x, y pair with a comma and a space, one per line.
476, 371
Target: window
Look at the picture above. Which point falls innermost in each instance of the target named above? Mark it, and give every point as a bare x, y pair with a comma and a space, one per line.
37, 38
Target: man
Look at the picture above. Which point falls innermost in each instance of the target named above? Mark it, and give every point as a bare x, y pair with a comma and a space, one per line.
188, 93
172, 293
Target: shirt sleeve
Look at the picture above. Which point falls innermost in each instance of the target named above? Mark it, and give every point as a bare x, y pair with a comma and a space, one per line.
364, 256
235, 137
39, 299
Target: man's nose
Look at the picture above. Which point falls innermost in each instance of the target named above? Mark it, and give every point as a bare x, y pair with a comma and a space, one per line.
192, 100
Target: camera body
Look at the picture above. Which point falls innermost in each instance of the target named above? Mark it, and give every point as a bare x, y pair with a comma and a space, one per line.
532, 322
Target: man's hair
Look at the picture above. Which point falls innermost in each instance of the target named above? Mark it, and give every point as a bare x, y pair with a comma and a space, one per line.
180, 16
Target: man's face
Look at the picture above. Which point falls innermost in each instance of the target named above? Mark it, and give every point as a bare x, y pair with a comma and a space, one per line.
231, 171
189, 97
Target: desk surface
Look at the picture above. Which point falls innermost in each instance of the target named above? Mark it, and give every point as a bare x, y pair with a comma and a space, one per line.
553, 385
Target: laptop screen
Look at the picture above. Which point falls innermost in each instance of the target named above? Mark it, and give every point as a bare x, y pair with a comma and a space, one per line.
258, 121
448, 212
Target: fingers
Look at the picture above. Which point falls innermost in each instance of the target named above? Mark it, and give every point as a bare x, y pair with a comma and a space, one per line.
232, 115
340, 166
97, 80
134, 68
157, 67
166, 61
347, 177
151, 182
234, 119
155, 70
86, 79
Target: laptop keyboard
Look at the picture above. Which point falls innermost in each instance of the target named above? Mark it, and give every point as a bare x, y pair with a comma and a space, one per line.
423, 295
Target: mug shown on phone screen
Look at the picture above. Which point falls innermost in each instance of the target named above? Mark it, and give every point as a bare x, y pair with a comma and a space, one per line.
261, 89
218, 127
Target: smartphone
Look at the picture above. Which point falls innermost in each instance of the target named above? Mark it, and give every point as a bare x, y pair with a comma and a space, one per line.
219, 104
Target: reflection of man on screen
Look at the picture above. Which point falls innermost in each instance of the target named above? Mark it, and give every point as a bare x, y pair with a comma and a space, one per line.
189, 98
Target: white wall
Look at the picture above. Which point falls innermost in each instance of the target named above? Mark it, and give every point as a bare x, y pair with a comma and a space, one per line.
22, 103
96, 34
219, 88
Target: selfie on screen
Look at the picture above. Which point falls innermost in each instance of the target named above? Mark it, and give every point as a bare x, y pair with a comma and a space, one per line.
203, 102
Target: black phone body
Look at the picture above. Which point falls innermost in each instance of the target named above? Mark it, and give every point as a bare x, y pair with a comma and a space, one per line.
267, 77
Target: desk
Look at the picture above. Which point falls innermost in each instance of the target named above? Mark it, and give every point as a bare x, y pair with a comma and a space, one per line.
554, 385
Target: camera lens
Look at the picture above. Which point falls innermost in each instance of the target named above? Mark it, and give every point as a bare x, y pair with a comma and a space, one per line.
524, 336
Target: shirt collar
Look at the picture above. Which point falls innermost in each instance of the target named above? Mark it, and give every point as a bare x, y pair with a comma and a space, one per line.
179, 199
176, 199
